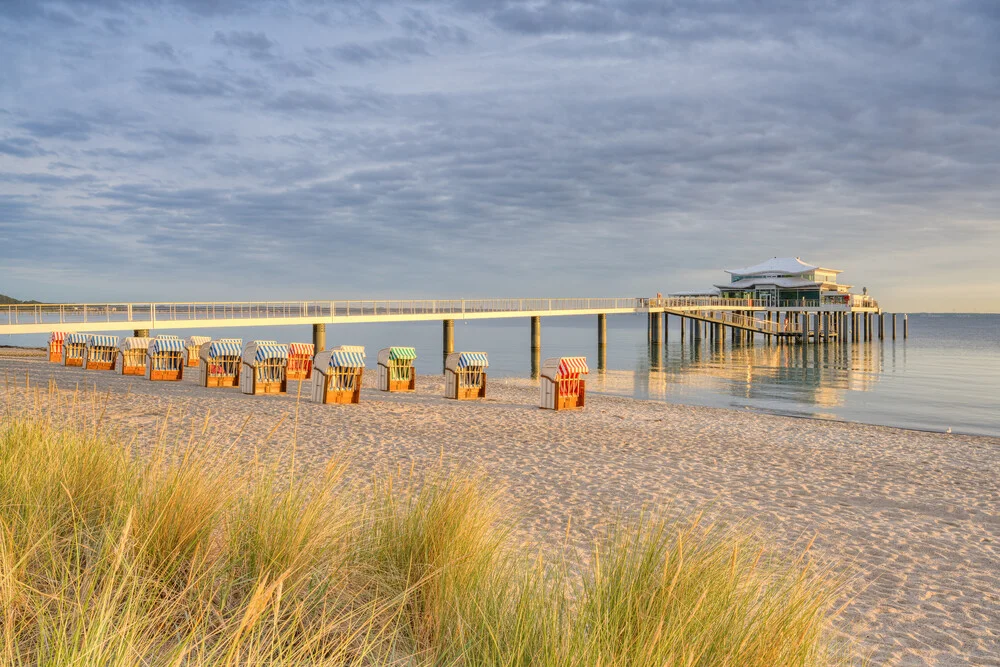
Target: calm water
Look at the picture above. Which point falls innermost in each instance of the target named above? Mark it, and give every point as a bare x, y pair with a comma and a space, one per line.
945, 375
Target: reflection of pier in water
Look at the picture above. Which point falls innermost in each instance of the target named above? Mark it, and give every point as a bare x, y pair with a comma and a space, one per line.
818, 375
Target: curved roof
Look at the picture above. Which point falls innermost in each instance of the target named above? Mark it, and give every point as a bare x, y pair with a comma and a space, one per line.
788, 283
786, 265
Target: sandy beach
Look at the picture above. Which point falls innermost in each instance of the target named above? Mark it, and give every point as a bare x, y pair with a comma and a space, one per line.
912, 517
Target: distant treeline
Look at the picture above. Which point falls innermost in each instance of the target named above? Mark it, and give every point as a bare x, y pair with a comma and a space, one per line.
4, 299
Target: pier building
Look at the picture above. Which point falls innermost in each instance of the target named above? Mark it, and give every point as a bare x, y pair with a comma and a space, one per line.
786, 281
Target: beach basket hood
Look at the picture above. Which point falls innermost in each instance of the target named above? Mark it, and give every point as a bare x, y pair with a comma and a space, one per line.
346, 359
103, 341
262, 350
166, 343
76, 338
134, 343
197, 341
478, 359
301, 349
57, 336
225, 348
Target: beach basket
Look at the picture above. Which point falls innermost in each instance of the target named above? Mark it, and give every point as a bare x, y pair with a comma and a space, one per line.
165, 359
337, 375
263, 372
561, 385
219, 362
395, 369
465, 375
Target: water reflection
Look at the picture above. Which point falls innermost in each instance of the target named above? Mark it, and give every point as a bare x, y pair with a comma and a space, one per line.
807, 379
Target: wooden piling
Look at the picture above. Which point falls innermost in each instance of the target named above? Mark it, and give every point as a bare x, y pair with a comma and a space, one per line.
906, 325
894, 326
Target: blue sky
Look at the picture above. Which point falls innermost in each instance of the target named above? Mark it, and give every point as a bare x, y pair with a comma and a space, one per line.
223, 149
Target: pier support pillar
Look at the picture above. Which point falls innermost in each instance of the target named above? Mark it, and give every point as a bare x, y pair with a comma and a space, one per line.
447, 340
906, 325
894, 326
319, 337
602, 341
682, 328
536, 346
655, 328
141, 333
881, 326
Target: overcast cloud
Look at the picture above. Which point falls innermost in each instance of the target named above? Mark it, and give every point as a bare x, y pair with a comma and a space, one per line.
189, 149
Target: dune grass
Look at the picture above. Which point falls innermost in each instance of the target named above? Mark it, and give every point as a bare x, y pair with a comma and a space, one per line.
192, 559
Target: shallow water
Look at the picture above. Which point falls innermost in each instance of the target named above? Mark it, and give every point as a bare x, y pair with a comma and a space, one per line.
945, 375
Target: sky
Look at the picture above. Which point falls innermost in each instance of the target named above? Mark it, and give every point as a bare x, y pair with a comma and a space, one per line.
215, 150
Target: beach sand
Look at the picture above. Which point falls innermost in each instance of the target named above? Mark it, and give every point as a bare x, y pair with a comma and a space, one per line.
911, 517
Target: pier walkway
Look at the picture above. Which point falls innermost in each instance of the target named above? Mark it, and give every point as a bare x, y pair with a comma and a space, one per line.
89, 317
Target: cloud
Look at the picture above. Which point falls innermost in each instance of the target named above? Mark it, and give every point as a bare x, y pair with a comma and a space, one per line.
254, 45
20, 147
591, 146
163, 50
65, 125
399, 49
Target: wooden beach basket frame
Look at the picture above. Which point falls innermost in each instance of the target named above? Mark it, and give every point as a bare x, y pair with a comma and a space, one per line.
100, 353
337, 384
73, 350
165, 363
300, 361
132, 352
192, 350
561, 386
263, 376
396, 373
55, 346
465, 375
220, 370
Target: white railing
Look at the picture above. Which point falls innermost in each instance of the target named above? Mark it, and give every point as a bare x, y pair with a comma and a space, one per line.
147, 313
750, 322
74, 313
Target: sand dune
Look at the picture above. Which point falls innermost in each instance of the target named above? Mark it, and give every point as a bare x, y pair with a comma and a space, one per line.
913, 516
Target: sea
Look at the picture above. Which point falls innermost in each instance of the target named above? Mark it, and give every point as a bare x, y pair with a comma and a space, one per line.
944, 376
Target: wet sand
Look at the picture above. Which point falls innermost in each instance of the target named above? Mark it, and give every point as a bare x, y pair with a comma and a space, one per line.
913, 517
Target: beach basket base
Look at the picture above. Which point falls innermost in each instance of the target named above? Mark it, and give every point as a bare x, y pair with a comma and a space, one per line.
74, 362
222, 381
342, 397
100, 366
166, 376
276, 387
192, 362
402, 385
55, 356
133, 370
299, 375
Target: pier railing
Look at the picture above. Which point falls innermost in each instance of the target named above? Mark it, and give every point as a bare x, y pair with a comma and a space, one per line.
75, 313
225, 313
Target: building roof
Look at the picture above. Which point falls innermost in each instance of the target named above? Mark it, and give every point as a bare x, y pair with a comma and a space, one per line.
786, 265
787, 283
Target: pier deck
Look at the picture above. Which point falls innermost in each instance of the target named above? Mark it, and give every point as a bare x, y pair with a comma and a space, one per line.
87, 317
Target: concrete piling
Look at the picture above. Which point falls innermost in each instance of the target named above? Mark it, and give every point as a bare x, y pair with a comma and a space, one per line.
319, 337
536, 346
447, 341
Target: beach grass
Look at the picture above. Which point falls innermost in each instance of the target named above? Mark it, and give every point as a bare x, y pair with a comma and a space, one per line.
184, 556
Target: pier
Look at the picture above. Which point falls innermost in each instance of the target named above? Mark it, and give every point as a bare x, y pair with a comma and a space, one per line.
789, 322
